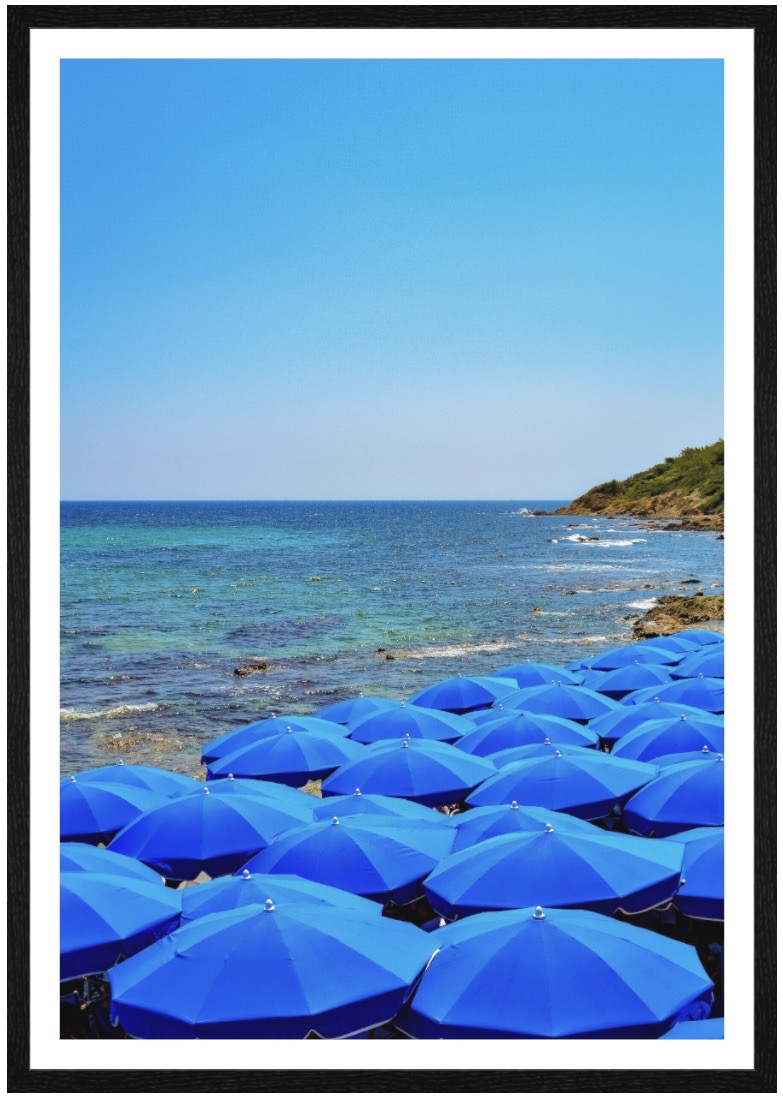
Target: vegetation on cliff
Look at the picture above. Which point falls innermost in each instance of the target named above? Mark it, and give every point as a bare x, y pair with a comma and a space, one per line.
689, 485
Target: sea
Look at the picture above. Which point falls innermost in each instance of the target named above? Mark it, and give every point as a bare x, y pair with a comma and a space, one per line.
163, 602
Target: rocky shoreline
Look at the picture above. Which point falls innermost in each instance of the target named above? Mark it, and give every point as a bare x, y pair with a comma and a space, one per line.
673, 613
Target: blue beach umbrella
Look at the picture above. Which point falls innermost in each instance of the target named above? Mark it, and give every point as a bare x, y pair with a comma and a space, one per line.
432, 774
415, 721
552, 974
595, 870
518, 729
152, 778
382, 858
477, 717
231, 893
460, 694
708, 662
575, 703
537, 674
531, 751
91, 812
83, 858
700, 637
351, 710
701, 894
257, 787
705, 755
613, 726
250, 734
208, 833
701, 693
703, 1029
373, 804
292, 758
681, 797
665, 737
631, 654
479, 824
587, 784
105, 917
623, 680
669, 643
270, 972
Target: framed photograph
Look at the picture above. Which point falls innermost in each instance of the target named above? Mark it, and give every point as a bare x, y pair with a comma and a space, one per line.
373, 365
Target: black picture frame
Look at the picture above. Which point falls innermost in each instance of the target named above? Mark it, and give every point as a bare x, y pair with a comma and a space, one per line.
762, 20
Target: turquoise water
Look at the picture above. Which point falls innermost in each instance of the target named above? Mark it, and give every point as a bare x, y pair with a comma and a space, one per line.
160, 602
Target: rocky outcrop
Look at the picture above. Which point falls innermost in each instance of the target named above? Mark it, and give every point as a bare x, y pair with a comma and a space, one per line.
251, 668
673, 613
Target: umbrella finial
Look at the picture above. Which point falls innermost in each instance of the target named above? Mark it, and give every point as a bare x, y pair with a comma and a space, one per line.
548, 829
406, 742
246, 875
547, 742
357, 792
557, 754
120, 762
335, 821
514, 805
206, 791
705, 750
700, 675
268, 905
231, 777
402, 704
289, 728
719, 759
539, 913
683, 717
73, 778
658, 700
682, 881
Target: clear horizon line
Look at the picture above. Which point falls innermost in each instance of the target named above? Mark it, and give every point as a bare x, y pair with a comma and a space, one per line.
329, 499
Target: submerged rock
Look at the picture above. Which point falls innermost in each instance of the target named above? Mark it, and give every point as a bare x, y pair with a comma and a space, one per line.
251, 668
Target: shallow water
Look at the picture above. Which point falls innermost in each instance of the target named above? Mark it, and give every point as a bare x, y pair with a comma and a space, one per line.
160, 602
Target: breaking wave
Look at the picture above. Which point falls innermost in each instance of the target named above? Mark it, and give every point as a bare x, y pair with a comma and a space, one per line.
106, 714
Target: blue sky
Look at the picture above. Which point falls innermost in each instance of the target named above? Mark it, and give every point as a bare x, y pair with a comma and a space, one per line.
387, 279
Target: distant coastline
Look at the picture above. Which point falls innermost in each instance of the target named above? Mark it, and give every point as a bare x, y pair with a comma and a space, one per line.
687, 490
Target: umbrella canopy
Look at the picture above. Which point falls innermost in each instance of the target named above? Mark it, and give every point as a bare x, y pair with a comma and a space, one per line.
552, 974
250, 734
701, 693
92, 812
705, 755
231, 893
415, 721
270, 972
700, 637
460, 694
517, 729
83, 858
531, 751
704, 1029
290, 757
673, 642
586, 784
380, 858
613, 726
209, 833
708, 662
351, 710
655, 738
681, 797
575, 703
374, 804
152, 778
104, 917
701, 894
256, 787
432, 774
624, 680
477, 717
596, 870
509, 819
631, 654
537, 674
